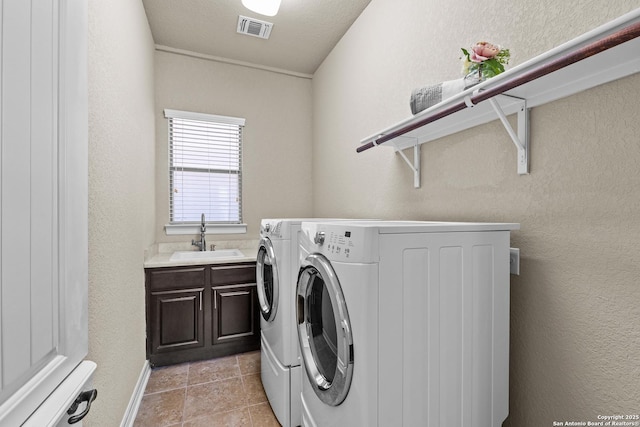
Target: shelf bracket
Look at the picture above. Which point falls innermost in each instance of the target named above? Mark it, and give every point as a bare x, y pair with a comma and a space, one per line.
415, 165
520, 138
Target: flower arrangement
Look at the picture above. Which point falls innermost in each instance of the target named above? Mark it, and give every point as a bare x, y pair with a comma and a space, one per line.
485, 59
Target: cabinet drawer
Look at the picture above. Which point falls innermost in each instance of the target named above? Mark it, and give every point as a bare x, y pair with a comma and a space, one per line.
233, 274
176, 278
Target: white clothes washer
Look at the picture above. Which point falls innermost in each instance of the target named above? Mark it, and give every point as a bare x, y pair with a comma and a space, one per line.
276, 276
404, 323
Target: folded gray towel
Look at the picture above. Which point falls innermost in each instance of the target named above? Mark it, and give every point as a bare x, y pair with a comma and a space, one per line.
428, 96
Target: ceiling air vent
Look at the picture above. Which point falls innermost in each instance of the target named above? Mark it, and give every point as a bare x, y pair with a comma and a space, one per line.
254, 27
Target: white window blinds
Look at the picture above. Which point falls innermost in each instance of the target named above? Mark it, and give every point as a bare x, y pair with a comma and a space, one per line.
205, 167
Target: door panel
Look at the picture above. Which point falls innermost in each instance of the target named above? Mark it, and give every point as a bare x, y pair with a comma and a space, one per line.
43, 182
15, 189
178, 317
234, 312
43, 200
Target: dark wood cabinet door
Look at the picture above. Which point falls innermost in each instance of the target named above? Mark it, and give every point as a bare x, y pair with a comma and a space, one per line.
177, 319
234, 313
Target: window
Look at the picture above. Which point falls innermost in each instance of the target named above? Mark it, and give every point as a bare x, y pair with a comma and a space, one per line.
205, 168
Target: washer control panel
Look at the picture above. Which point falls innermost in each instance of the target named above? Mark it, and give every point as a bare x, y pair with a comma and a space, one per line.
340, 242
271, 228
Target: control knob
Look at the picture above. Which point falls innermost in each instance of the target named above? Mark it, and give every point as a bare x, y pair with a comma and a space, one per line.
319, 238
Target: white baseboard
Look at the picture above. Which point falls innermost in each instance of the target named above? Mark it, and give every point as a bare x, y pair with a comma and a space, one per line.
136, 397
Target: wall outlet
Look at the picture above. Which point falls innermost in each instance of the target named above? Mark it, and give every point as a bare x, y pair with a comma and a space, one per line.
514, 261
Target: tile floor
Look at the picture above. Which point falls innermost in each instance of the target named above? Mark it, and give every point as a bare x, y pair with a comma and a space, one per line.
219, 392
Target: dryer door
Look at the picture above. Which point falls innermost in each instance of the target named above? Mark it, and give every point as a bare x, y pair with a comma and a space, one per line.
324, 330
267, 280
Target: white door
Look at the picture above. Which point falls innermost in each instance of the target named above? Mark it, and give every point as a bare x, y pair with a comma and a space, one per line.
43, 200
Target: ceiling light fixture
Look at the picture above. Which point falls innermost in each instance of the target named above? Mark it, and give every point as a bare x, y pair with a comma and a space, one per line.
263, 7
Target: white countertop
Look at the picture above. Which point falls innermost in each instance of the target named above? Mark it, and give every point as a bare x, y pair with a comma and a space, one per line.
159, 255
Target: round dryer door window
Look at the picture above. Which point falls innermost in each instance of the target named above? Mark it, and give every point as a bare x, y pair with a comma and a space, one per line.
267, 280
324, 330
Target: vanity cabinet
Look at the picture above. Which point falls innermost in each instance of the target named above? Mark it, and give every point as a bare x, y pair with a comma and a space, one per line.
201, 312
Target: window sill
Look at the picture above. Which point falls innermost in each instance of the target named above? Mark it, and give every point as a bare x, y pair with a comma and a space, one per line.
183, 229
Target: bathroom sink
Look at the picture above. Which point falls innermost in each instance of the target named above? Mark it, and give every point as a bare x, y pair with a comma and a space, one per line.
204, 255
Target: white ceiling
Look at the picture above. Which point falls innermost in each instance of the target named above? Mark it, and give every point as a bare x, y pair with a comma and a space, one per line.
303, 34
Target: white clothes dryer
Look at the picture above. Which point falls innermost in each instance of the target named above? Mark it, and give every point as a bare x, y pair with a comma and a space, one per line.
404, 323
276, 276
276, 270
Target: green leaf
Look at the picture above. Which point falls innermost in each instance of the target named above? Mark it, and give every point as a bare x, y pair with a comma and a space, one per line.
492, 67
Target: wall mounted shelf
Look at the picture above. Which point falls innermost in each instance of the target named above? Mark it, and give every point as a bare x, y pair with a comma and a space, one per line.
605, 54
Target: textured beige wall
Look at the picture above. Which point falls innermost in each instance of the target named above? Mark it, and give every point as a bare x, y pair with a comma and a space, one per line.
575, 317
277, 109
121, 198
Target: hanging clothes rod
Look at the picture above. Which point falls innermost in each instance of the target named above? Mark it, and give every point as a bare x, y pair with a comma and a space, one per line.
625, 34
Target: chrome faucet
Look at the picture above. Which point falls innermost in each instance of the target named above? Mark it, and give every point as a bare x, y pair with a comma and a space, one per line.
202, 244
